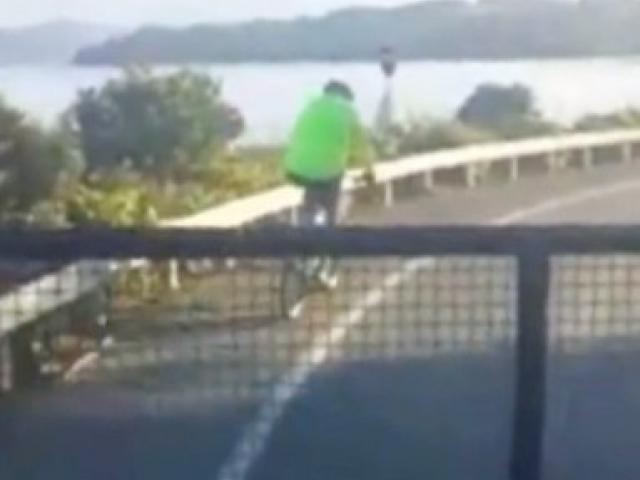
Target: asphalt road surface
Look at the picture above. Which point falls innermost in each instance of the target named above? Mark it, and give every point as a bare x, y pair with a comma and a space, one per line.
405, 372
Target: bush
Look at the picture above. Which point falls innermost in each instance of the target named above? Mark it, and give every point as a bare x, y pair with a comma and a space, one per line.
628, 118
226, 177
157, 124
423, 137
508, 112
124, 197
118, 200
520, 128
491, 104
246, 171
32, 162
48, 214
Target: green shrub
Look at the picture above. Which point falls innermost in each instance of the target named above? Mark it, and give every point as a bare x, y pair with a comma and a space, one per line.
126, 197
521, 128
420, 137
32, 162
509, 112
155, 123
114, 201
627, 118
245, 172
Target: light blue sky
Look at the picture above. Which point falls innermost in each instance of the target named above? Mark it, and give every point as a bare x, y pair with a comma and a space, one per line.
176, 12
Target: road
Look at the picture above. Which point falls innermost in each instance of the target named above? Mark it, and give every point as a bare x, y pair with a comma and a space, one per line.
404, 373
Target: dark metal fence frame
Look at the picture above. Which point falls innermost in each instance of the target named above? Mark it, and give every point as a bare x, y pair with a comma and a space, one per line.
532, 246
61, 246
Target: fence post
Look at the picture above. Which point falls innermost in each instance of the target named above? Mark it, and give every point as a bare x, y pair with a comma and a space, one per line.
24, 365
531, 368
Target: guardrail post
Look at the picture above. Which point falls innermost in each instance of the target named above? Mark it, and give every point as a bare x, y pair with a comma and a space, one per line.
174, 275
550, 161
389, 194
553, 161
627, 152
587, 158
514, 168
531, 370
429, 181
472, 180
6, 366
294, 216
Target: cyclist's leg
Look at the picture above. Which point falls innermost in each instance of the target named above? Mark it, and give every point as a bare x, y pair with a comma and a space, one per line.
294, 287
312, 203
321, 197
330, 200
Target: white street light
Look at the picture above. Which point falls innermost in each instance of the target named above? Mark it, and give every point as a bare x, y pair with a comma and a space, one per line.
384, 122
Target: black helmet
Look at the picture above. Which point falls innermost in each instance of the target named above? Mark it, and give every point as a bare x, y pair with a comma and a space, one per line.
341, 89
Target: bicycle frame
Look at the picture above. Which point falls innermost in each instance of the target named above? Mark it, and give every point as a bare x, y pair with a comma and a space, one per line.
301, 276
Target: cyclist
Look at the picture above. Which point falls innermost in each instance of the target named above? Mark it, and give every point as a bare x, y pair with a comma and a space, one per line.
327, 140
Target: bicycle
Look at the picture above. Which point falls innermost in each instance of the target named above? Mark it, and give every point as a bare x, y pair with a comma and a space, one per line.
301, 277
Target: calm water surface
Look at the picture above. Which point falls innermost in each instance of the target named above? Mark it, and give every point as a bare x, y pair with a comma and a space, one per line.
270, 95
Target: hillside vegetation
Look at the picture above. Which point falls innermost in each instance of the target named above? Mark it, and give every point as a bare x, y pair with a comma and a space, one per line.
437, 29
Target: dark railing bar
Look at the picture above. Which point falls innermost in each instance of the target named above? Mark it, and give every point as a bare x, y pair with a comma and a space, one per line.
70, 245
529, 417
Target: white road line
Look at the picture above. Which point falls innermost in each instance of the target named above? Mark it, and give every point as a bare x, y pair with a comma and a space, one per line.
567, 201
86, 362
256, 436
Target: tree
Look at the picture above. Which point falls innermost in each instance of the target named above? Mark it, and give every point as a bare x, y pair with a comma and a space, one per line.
491, 104
31, 162
154, 123
508, 111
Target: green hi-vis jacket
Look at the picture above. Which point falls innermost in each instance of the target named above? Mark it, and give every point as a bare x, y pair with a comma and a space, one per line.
326, 140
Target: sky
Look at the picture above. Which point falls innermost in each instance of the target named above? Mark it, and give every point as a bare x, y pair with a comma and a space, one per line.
170, 12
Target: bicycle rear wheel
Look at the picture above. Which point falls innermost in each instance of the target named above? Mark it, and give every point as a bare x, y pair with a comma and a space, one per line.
294, 290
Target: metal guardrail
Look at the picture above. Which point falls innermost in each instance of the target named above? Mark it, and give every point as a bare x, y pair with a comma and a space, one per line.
250, 209
48, 293
284, 199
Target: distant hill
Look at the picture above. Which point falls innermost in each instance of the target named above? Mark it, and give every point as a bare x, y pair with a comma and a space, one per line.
53, 42
437, 29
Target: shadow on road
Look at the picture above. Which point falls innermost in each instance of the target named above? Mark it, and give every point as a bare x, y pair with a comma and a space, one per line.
445, 417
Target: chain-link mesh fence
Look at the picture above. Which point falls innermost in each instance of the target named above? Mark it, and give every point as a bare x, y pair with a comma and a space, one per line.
432, 356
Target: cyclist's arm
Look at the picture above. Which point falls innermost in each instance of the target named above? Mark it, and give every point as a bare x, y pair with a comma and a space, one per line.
361, 155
